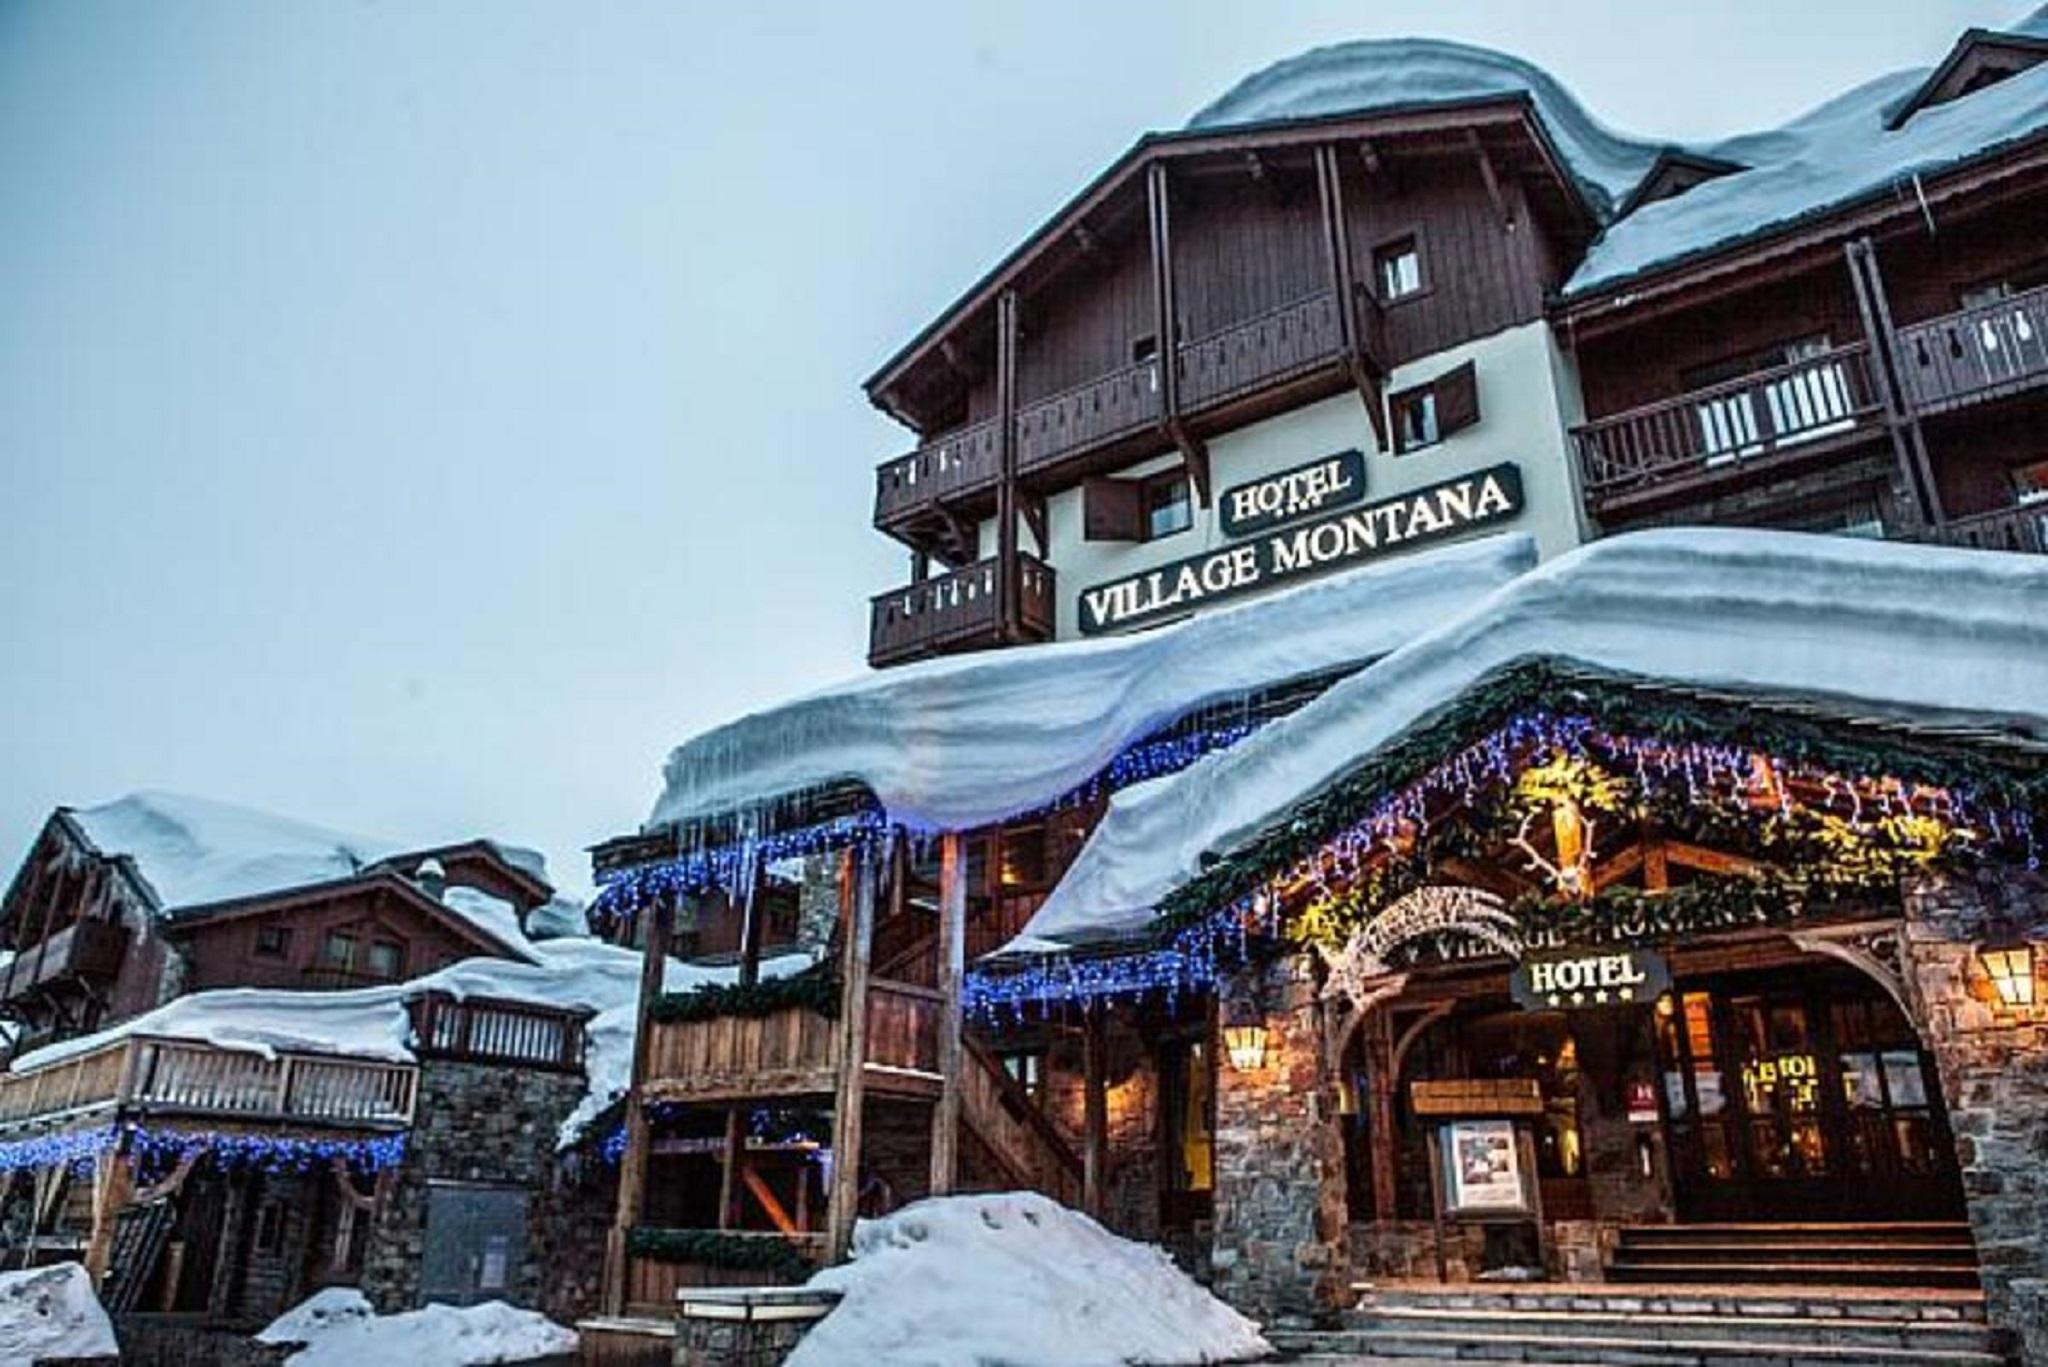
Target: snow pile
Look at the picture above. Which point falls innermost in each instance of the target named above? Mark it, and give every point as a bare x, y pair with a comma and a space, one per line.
338, 1329
1383, 75
1934, 637
963, 742
193, 851
1015, 1279
494, 916
51, 1312
1826, 158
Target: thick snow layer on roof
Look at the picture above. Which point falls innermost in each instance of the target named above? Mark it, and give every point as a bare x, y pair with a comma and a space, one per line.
1019, 1279
964, 742
49, 1313
1872, 628
494, 916
1835, 154
340, 1329
1406, 73
372, 1022
193, 851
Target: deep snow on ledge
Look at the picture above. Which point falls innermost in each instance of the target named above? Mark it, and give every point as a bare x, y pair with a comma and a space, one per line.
52, 1313
1018, 1279
962, 742
338, 1328
1878, 629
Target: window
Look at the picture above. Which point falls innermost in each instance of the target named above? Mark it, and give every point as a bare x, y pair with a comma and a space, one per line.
1027, 1069
2030, 483
273, 942
387, 958
338, 950
1023, 858
1144, 349
270, 1227
1397, 266
1169, 505
1428, 413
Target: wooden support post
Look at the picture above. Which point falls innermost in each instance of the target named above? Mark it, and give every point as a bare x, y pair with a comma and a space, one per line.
1902, 420
232, 1249
1009, 582
951, 974
733, 1161
1380, 1138
858, 907
1359, 360
1095, 1108
633, 1163
1166, 319
113, 1181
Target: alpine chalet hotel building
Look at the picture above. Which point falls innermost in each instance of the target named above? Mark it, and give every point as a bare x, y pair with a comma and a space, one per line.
1490, 727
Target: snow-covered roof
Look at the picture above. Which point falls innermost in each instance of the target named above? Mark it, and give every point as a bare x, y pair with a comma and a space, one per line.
958, 743
1929, 636
1376, 75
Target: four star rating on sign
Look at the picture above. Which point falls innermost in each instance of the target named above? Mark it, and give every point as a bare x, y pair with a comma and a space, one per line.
1601, 997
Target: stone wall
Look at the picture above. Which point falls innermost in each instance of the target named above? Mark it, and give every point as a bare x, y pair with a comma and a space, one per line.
491, 1124
1994, 1076
1281, 1251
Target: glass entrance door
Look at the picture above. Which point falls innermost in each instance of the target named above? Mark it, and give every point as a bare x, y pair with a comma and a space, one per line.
1801, 1097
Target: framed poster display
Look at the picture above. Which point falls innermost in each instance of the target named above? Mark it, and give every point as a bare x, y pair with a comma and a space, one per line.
1483, 1169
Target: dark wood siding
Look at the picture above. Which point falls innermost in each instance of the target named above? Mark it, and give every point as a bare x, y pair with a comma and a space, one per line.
223, 953
1084, 326
1243, 247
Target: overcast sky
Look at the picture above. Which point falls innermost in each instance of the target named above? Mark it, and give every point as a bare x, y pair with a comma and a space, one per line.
417, 418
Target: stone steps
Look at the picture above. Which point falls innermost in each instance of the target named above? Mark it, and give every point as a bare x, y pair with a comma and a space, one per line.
1592, 1350
1903, 1254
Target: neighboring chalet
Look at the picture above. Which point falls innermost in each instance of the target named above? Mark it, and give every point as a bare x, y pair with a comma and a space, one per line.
201, 1113
1340, 986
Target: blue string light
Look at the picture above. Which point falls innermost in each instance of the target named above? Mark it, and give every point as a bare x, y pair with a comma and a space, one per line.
157, 1151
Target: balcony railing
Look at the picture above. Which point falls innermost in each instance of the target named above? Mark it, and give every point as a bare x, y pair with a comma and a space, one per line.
140, 1074
1111, 406
484, 1030
1271, 348
1768, 414
2022, 528
1975, 354
795, 1051
959, 463
955, 611
88, 950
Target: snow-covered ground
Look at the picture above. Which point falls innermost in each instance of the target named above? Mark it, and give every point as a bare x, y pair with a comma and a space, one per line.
1016, 1279
339, 1329
51, 1312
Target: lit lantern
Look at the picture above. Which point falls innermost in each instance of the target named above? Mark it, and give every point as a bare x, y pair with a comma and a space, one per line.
2011, 970
1246, 1046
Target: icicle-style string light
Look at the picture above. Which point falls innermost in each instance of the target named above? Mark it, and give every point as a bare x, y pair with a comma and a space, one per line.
1703, 771
158, 1151
768, 1124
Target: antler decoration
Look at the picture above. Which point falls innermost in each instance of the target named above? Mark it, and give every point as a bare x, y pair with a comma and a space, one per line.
1360, 972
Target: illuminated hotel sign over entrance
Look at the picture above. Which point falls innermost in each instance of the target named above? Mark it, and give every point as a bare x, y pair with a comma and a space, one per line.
1274, 557
1617, 977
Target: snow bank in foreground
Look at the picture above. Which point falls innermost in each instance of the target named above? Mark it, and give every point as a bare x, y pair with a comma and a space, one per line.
954, 744
51, 1312
1870, 629
339, 1330
1016, 1279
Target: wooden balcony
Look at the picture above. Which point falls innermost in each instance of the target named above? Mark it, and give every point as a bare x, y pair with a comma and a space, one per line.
795, 1051
141, 1075
1976, 354
1270, 349
1103, 410
956, 466
486, 1030
955, 611
1774, 418
2023, 528
86, 951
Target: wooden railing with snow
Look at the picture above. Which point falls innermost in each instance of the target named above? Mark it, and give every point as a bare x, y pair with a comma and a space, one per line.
794, 1051
143, 1075
491, 1030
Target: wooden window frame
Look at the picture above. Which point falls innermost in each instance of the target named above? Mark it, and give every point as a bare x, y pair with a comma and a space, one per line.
1425, 283
1454, 398
327, 959
1177, 475
1118, 508
398, 965
283, 935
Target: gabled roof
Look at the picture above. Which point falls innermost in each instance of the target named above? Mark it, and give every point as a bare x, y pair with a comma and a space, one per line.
385, 880
1675, 171
1979, 58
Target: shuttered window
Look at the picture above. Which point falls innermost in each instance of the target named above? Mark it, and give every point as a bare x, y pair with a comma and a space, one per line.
1137, 509
1428, 413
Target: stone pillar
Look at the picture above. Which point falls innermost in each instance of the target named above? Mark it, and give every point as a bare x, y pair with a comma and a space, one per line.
1993, 1063
1281, 1252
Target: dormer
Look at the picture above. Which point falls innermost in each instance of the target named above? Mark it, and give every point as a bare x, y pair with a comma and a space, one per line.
1675, 171
1980, 57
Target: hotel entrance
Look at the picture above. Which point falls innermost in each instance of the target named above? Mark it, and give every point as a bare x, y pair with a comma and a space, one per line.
1800, 1095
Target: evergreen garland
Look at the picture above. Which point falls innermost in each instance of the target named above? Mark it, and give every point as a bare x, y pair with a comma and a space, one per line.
814, 989
718, 1248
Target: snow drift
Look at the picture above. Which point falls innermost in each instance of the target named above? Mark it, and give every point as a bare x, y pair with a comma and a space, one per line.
1016, 1279
1930, 636
339, 1329
51, 1312
959, 743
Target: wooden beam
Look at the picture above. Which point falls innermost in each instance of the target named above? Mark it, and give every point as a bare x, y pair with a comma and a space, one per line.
1359, 362
661, 919
1033, 507
770, 1206
952, 971
1166, 327
857, 908
113, 1182
1708, 861
1009, 585
1501, 207
1095, 1110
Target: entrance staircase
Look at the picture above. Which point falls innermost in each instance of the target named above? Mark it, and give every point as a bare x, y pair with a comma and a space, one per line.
1902, 1254
1655, 1326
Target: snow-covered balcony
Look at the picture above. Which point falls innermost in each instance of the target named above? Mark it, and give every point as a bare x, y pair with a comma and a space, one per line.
1975, 354
1789, 414
957, 611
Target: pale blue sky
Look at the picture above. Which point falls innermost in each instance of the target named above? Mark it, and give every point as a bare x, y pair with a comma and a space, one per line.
419, 417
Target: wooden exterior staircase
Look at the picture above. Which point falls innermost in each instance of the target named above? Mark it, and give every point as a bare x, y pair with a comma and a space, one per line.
1029, 1149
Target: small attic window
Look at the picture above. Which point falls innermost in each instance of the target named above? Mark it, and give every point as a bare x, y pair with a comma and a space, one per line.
1979, 59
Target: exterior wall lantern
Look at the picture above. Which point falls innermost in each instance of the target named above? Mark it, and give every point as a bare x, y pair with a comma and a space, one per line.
1244, 1033
2010, 966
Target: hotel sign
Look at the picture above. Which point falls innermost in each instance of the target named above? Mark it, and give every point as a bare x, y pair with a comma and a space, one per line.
1617, 977
1275, 557
1332, 482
